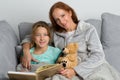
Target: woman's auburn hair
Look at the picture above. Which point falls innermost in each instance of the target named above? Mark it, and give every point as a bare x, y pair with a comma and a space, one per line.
65, 7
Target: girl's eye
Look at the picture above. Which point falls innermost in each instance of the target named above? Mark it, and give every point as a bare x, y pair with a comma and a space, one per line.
37, 35
41, 35
45, 34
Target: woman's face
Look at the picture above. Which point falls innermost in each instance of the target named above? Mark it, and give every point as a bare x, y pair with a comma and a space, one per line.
63, 18
41, 37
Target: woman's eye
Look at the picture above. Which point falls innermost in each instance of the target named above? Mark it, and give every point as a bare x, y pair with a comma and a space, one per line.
56, 20
63, 15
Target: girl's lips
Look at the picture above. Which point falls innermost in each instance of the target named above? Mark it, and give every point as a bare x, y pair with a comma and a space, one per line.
42, 42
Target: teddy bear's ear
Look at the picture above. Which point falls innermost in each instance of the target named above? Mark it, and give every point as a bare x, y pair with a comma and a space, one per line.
65, 51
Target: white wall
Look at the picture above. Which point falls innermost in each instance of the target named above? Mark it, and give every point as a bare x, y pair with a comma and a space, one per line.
16, 11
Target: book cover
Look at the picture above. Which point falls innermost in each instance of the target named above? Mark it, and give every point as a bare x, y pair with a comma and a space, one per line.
40, 74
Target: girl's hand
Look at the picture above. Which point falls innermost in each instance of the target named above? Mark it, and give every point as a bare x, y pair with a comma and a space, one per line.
69, 73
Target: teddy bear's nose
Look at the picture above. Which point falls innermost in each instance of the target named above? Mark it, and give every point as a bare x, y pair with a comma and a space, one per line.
64, 64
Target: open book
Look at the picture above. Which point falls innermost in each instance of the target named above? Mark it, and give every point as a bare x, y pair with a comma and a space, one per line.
40, 74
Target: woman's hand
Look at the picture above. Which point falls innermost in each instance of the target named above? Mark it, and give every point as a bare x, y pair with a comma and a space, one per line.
26, 59
69, 73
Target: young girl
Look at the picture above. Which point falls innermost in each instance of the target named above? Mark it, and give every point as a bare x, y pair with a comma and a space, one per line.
41, 51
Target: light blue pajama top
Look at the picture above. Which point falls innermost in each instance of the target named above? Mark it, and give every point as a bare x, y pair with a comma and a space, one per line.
49, 56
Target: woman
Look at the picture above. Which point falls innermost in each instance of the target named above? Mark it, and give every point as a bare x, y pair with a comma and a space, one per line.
67, 29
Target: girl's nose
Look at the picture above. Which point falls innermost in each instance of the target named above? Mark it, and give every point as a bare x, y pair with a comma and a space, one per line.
41, 37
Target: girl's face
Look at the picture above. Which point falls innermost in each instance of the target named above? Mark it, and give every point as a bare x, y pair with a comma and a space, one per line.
63, 18
41, 37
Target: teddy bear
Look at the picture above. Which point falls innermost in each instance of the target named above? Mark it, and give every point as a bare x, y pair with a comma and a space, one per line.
68, 57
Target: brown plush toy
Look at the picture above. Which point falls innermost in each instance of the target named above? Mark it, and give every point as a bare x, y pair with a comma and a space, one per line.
69, 57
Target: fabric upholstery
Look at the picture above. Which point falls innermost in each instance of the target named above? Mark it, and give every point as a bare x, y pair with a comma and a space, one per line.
110, 38
110, 29
113, 56
8, 41
24, 29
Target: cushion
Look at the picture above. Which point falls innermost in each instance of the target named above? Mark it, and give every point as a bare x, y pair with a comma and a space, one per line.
110, 29
110, 38
113, 56
8, 41
19, 51
24, 28
97, 24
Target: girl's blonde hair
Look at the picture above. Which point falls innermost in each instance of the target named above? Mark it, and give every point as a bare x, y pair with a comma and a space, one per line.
40, 24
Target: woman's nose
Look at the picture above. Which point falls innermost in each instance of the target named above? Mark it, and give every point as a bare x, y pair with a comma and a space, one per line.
62, 21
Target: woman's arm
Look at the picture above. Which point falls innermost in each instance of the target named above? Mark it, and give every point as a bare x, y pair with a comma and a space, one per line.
26, 58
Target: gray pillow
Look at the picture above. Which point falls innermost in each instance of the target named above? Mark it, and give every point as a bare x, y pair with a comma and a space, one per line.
110, 38
113, 56
8, 41
24, 28
110, 30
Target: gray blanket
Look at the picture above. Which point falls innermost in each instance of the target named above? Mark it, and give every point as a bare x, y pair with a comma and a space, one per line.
60, 77
103, 72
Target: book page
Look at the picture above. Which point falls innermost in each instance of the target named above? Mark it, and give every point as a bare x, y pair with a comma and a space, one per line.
25, 73
21, 75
